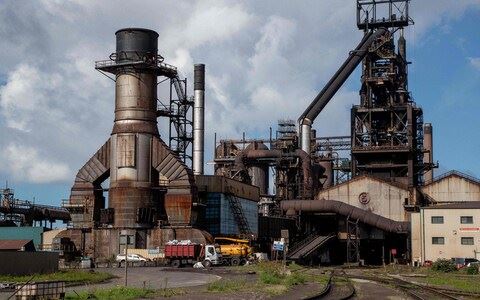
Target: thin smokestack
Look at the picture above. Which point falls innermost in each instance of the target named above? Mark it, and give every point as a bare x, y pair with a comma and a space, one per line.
198, 119
428, 146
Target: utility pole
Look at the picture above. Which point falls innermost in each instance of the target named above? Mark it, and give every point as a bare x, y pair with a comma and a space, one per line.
126, 258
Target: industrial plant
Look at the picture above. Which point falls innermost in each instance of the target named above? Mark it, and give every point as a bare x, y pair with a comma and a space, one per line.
366, 198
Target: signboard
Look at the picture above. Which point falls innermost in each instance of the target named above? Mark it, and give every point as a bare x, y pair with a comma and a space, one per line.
469, 229
393, 251
278, 245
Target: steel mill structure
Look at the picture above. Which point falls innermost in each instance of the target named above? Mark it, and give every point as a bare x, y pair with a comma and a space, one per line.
341, 198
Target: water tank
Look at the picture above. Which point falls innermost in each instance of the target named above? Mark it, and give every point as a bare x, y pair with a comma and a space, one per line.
134, 44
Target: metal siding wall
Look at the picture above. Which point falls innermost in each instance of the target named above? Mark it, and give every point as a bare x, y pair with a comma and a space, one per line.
27, 263
228, 225
22, 233
213, 213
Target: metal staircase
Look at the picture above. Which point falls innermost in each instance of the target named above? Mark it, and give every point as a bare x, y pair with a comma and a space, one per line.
237, 210
307, 246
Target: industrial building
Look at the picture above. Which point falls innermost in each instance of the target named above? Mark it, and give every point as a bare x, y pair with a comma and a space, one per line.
367, 197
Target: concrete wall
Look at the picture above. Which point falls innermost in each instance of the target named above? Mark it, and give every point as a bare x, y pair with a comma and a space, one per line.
453, 188
416, 237
47, 238
26, 263
383, 198
452, 230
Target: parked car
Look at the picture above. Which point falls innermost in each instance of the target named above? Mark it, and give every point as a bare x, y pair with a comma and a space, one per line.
471, 261
130, 258
461, 262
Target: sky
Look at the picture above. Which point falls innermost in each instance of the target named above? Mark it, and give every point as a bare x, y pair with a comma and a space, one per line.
265, 60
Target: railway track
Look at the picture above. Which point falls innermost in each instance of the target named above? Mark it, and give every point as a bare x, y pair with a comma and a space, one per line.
421, 292
417, 291
339, 287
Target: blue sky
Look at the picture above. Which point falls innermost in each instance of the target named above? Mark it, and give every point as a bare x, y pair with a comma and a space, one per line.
265, 61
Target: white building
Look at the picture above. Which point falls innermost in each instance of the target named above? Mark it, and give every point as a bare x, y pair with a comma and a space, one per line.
446, 231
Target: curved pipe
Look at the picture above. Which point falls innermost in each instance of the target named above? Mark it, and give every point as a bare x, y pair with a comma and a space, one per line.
344, 209
302, 155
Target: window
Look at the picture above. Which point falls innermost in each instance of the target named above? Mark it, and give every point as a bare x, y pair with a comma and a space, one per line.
466, 220
467, 240
437, 220
438, 240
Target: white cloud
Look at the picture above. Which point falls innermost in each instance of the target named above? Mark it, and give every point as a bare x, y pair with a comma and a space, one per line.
475, 62
27, 165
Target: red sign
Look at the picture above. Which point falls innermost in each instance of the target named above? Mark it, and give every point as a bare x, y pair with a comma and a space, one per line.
393, 251
470, 229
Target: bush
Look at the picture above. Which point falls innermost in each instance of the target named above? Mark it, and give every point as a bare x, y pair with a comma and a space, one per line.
271, 278
444, 265
472, 270
296, 278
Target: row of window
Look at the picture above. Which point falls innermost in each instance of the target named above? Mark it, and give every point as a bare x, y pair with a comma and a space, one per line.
440, 240
463, 220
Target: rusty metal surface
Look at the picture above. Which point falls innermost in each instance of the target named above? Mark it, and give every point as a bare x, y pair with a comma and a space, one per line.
178, 209
220, 184
354, 213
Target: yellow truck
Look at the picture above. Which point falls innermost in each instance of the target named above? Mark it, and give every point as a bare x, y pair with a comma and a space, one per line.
234, 251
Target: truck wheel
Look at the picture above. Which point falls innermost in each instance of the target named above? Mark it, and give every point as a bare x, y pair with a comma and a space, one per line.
235, 261
207, 263
176, 263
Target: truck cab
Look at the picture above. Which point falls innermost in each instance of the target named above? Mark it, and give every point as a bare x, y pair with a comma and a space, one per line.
213, 256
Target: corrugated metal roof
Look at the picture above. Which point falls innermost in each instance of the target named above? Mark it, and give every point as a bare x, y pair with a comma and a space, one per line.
459, 205
13, 244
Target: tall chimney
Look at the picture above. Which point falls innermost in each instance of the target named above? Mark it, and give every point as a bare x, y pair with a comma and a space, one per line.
428, 146
198, 118
135, 127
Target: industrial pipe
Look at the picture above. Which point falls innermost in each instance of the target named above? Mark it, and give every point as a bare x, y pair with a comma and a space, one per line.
198, 119
321, 100
347, 210
258, 154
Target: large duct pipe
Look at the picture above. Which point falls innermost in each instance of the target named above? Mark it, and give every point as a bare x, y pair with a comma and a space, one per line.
198, 119
428, 147
326, 94
306, 135
347, 210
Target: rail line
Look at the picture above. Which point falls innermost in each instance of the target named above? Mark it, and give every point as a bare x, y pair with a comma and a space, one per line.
414, 290
338, 287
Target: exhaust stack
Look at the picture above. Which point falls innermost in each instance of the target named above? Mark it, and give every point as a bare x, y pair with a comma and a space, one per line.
428, 146
198, 119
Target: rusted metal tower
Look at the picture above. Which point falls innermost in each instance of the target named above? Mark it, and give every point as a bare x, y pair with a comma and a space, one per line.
387, 126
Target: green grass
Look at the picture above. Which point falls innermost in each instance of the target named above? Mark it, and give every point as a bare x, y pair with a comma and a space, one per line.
464, 283
459, 280
121, 293
227, 285
124, 293
273, 279
69, 276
